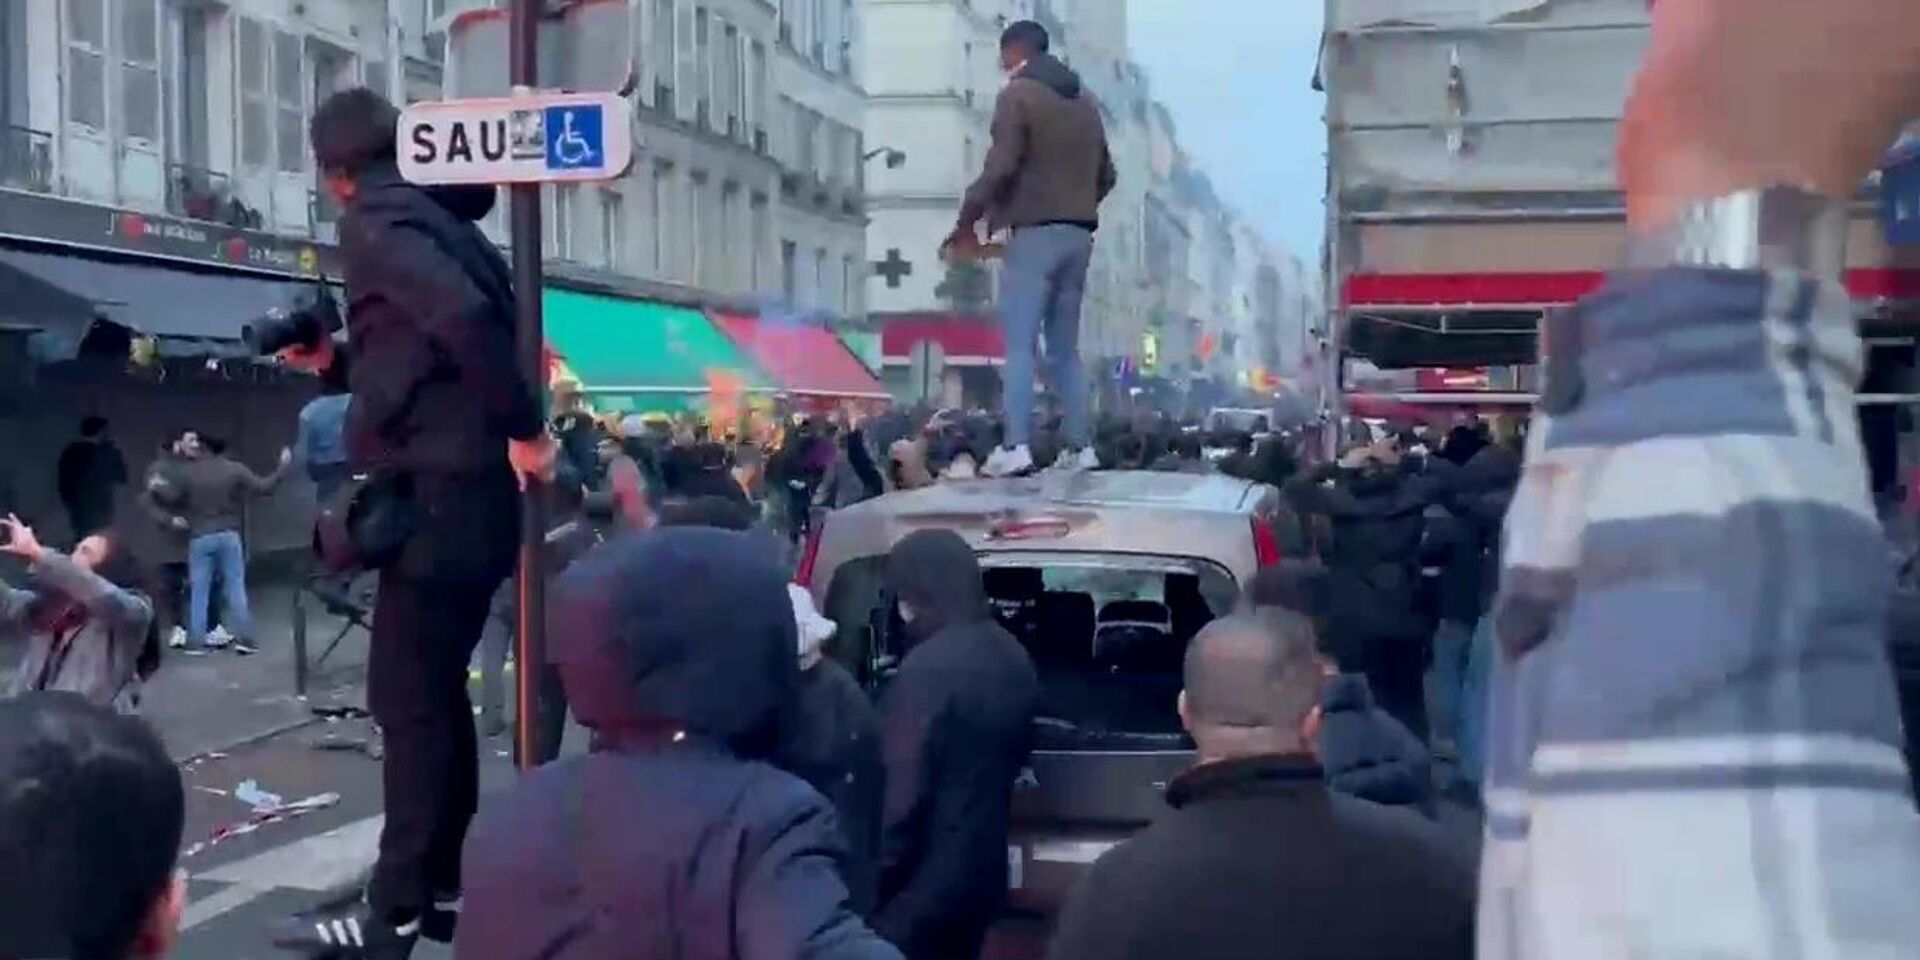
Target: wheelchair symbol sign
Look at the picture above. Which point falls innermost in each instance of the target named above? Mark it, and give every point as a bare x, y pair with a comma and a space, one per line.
575, 137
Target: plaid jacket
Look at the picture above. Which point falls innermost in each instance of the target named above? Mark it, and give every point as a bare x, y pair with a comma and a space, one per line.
1695, 742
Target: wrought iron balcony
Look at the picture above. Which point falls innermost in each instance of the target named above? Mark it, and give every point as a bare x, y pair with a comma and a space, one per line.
26, 159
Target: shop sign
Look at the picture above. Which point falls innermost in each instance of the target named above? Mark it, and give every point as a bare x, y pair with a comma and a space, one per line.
43, 219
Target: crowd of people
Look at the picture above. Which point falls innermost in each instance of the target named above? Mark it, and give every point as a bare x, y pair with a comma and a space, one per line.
1689, 681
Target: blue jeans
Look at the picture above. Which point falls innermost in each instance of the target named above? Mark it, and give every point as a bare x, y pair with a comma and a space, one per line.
1446, 679
220, 550
1041, 288
1470, 724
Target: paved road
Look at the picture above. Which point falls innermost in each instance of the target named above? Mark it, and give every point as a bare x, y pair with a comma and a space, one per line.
239, 888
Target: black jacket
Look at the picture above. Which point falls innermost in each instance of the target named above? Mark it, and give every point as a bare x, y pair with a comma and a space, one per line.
957, 724
1373, 574
430, 362
1258, 860
676, 837
1367, 753
436, 384
836, 748
1479, 494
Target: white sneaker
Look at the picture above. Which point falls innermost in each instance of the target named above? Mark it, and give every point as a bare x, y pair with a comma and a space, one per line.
1009, 461
178, 638
1077, 460
218, 637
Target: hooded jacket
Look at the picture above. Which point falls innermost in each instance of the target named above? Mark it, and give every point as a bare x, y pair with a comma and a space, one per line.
1049, 161
674, 838
430, 362
956, 728
1367, 753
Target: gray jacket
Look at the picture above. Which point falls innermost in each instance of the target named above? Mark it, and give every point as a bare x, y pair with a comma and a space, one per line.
98, 660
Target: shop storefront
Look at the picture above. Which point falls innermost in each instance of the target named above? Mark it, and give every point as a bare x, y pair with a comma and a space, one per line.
139, 318
638, 356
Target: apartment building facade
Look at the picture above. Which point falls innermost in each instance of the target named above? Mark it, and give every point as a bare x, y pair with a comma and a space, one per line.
197, 110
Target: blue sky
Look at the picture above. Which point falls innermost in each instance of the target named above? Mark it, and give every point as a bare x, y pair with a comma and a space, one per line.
1236, 75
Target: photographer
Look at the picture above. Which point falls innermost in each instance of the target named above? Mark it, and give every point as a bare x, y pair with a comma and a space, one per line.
86, 630
448, 429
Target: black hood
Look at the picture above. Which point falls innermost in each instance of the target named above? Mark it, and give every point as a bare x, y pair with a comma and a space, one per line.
696, 620
1046, 69
467, 201
470, 202
936, 572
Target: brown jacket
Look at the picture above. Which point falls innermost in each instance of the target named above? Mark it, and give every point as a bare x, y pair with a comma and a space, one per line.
1049, 161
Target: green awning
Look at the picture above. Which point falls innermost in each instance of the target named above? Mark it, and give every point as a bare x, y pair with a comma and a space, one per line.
639, 355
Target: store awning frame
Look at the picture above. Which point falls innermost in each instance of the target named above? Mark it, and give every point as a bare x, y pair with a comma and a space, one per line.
188, 312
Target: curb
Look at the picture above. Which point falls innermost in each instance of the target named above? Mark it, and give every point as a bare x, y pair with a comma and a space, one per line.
307, 718
248, 740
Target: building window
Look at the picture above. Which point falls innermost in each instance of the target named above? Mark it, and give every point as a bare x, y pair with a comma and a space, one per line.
422, 81
756, 96
140, 70
730, 82
256, 111
730, 231
789, 273
697, 227
290, 120
87, 63
822, 297
757, 242
849, 287
703, 68
658, 202
660, 42
613, 227
189, 89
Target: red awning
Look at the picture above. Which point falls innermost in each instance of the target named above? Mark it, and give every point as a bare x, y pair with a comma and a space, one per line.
802, 359
1390, 292
966, 341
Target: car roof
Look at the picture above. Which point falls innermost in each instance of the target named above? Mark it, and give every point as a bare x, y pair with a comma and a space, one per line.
1210, 493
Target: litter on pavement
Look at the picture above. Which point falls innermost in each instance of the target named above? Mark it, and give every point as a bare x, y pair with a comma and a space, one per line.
249, 793
261, 818
369, 747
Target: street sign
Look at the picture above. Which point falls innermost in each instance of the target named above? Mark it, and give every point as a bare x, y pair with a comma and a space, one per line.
541, 138
585, 45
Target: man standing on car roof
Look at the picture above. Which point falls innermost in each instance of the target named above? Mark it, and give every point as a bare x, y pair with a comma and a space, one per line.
1044, 177
956, 726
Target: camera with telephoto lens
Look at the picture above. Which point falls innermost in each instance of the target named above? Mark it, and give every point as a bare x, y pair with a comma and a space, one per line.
313, 319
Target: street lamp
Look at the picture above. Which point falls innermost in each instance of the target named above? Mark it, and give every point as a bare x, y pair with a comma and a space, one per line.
895, 158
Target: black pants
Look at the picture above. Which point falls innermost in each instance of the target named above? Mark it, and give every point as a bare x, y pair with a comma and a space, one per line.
424, 633
87, 519
1399, 688
170, 596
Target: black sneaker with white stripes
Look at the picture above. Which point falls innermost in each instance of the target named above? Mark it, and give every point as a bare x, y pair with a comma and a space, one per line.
348, 931
441, 919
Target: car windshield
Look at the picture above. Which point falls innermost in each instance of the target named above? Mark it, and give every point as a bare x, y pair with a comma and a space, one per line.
1107, 633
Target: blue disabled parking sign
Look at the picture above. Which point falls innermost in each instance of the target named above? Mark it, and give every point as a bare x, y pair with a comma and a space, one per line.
575, 137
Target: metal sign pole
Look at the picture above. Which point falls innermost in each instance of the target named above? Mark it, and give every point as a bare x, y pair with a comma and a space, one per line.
530, 635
